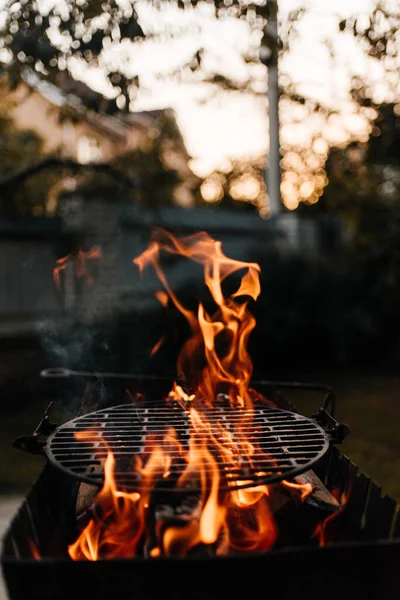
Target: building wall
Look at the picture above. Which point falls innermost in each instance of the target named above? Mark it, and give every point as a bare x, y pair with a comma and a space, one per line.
32, 111
35, 112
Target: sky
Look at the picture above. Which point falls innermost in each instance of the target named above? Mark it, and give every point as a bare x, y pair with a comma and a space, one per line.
233, 126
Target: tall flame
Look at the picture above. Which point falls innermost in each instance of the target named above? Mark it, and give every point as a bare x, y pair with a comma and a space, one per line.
228, 370
216, 364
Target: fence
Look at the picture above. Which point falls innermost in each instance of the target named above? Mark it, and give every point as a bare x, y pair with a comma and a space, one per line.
29, 249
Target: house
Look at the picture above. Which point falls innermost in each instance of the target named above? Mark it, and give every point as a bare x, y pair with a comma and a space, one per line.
75, 121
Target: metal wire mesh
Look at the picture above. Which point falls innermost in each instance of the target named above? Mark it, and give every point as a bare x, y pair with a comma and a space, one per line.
284, 444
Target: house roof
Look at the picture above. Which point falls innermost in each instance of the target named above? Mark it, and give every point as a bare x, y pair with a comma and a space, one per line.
105, 123
76, 96
70, 93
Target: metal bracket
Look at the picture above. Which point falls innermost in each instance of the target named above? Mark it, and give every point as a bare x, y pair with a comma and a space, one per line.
325, 417
34, 443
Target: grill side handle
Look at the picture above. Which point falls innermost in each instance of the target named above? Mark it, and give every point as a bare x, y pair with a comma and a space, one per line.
35, 442
326, 418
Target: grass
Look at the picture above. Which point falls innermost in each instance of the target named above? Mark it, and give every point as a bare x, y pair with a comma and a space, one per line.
368, 403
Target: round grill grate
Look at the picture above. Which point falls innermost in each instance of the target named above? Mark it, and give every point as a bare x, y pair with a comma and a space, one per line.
286, 444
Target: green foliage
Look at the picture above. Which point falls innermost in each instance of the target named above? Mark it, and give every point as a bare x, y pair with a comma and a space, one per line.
82, 30
86, 30
379, 30
364, 190
364, 179
241, 187
46, 39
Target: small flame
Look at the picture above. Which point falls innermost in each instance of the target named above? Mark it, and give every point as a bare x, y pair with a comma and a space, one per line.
305, 489
80, 260
157, 346
61, 264
179, 395
88, 434
162, 297
324, 531
34, 550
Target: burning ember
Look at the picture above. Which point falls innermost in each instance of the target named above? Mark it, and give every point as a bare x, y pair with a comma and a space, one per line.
221, 517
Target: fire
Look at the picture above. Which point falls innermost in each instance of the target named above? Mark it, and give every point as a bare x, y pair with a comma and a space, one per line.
116, 525
80, 260
228, 370
305, 489
34, 550
220, 519
324, 531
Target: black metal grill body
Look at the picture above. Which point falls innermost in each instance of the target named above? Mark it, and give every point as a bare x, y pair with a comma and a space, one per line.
361, 563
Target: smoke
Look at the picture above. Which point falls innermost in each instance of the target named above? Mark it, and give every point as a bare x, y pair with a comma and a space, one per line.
68, 343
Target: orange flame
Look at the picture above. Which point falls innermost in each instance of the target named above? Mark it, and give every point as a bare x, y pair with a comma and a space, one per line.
86, 434
34, 550
118, 513
324, 531
80, 265
305, 489
216, 364
228, 371
157, 346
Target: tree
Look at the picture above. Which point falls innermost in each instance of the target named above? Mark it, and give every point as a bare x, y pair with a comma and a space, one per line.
154, 181
240, 187
111, 35
32, 183
364, 176
52, 39
379, 35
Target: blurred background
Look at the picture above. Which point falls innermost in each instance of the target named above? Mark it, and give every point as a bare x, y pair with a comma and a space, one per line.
273, 126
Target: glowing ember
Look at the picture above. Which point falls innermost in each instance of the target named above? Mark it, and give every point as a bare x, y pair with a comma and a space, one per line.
217, 366
34, 549
80, 260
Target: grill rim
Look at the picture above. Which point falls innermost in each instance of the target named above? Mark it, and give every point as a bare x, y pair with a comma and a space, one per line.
244, 480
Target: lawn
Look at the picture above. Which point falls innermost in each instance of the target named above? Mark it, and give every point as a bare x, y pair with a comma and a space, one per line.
370, 404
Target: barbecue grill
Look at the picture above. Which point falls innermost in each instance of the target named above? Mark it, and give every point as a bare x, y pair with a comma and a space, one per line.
288, 444
361, 561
